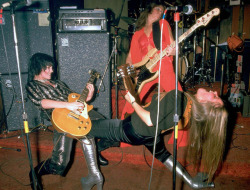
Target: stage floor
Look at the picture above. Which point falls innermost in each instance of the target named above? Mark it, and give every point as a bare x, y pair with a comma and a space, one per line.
129, 167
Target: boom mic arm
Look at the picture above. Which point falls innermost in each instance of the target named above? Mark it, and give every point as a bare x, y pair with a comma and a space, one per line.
187, 9
16, 3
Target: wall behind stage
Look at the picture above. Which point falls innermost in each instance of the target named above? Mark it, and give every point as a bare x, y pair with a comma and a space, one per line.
33, 35
115, 7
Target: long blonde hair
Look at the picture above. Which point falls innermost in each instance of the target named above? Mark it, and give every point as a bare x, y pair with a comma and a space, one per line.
207, 135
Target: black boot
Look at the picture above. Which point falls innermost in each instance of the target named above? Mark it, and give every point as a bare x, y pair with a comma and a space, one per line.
38, 183
101, 160
40, 170
104, 144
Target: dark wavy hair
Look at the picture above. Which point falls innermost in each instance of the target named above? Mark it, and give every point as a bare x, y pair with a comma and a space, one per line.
37, 63
141, 22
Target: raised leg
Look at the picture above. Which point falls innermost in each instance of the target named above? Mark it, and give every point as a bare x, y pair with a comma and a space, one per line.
198, 182
94, 175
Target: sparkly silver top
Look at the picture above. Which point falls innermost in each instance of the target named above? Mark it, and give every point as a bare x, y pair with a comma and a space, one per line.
37, 91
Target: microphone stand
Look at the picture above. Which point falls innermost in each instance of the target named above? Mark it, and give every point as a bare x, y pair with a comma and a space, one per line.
194, 58
216, 54
24, 115
176, 116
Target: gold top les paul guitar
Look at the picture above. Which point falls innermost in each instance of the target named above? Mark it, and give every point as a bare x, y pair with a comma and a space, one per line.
75, 124
148, 63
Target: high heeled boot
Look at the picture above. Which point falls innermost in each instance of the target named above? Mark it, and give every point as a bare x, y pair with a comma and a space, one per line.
94, 175
40, 169
198, 182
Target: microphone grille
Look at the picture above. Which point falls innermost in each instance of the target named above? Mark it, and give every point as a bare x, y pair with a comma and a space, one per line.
190, 9
28, 2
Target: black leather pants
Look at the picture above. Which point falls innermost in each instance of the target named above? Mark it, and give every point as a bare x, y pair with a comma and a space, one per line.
60, 158
123, 131
61, 154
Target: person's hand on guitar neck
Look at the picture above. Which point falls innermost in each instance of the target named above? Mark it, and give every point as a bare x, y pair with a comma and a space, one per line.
91, 89
170, 51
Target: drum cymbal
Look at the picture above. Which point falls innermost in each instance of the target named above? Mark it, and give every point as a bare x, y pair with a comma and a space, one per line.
128, 20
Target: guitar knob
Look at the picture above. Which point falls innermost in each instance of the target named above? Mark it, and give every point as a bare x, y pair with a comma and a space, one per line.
81, 122
87, 123
79, 128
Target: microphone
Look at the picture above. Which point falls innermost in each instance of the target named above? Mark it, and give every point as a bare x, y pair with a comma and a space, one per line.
187, 9
15, 3
7, 4
29, 2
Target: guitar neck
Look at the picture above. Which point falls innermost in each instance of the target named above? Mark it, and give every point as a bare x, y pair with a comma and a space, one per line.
85, 91
84, 95
204, 20
158, 56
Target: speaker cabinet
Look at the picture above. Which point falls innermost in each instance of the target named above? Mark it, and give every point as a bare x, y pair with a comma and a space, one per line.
12, 103
77, 54
32, 35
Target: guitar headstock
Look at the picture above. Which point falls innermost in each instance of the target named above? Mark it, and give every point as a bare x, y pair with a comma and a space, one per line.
126, 70
128, 74
94, 73
205, 19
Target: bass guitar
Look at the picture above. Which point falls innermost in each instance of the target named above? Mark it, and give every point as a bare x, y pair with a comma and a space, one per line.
75, 124
148, 63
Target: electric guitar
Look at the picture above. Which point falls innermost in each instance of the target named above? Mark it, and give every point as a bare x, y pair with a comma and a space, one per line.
75, 124
128, 74
148, 63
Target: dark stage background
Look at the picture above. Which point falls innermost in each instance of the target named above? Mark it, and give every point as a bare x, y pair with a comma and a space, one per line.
35, 33
32, 36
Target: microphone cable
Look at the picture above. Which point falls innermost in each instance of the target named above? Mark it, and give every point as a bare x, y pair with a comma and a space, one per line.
158, 102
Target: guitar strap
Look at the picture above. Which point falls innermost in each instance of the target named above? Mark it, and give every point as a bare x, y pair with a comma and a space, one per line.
156, 34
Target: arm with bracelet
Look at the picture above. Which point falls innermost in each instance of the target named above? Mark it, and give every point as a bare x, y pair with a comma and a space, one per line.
141, 112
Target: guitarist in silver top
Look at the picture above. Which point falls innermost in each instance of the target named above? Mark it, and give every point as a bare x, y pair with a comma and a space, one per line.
48, 94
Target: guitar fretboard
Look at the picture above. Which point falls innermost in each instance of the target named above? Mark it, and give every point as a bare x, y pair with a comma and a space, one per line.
85, 91
201, 21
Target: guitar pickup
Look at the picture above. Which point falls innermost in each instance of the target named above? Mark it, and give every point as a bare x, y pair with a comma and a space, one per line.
73, 115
